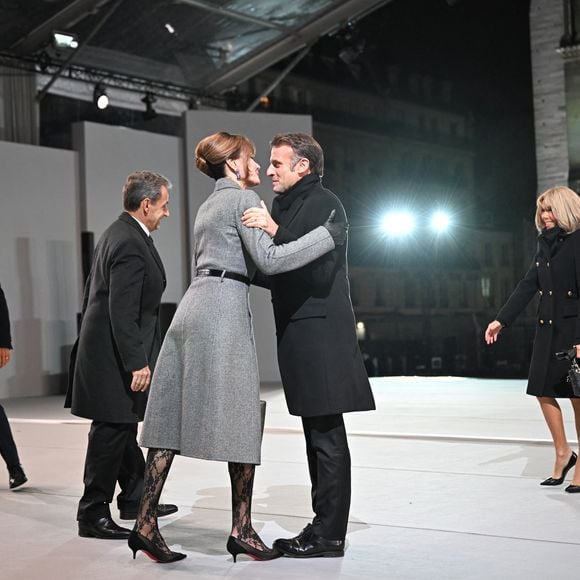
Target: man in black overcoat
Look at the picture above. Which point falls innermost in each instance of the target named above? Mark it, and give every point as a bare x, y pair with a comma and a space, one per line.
16, 476
321, 366
114, 356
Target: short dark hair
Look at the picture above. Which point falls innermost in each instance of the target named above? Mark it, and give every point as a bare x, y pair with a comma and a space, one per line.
304, 146
141, 185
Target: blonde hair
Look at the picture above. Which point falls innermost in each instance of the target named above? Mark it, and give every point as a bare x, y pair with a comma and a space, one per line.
212, 152
565, 205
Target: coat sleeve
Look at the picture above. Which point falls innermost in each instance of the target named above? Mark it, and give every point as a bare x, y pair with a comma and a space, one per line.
273, 259
324, 270
5, 338
520, 297
127, 274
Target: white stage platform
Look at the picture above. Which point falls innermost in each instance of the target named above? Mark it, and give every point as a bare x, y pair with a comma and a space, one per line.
446, 480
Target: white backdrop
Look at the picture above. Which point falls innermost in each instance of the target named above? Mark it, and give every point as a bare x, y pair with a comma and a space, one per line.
39, 264
48, 196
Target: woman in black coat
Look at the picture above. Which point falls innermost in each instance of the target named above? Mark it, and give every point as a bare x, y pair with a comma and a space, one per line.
555, 275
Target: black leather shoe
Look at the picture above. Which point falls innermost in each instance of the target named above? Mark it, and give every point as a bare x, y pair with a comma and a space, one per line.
573, 489
163, 509
307, 544
560, 480
16, 476
103, 528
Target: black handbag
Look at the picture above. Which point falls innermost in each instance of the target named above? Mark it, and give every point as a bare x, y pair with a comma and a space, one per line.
573, 376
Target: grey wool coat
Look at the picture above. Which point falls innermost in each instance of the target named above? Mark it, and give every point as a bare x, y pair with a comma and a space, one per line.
204, 400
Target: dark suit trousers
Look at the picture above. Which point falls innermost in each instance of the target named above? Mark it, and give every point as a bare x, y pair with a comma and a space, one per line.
329, 465
113, 455
7, 445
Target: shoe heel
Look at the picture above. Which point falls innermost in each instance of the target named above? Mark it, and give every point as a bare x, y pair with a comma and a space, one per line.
134, 544
138, 542
233, 548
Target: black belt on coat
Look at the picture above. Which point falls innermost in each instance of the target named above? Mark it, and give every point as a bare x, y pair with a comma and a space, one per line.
224, 274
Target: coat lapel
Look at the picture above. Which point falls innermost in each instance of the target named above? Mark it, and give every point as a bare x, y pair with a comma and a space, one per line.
125, 217
156, 256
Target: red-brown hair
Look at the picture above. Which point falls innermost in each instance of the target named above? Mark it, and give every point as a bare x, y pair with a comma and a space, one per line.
212, 152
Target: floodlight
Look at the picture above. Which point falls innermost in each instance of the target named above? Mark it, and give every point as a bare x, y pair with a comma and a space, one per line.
440, 221
100, 97
398, 223
64, 40
150, 112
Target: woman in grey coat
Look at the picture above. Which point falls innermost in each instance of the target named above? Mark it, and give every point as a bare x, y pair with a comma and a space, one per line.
204, 399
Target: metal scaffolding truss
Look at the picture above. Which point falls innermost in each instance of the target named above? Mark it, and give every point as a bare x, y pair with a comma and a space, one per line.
186, 47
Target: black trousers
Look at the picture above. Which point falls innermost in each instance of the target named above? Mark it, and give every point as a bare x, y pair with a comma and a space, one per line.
113, 455
7, 446
329, 466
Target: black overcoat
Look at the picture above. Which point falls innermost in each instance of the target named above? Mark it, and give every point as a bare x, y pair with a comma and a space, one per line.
119, 330
555, 275
320, 361
5, 338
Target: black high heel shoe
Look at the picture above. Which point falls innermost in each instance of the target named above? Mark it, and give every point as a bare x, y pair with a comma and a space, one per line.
559, 480
235, 546
138, 542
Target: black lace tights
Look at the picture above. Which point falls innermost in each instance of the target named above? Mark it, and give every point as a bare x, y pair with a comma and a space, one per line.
242, 480
156, 470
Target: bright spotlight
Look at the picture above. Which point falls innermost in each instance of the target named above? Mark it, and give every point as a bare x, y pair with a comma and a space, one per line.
64, 40
440, 221
100, 97
398, 223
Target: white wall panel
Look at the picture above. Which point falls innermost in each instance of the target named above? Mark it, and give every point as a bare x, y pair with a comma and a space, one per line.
107, 155
39, 265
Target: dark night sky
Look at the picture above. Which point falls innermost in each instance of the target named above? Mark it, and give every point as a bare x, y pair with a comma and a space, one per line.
482, 47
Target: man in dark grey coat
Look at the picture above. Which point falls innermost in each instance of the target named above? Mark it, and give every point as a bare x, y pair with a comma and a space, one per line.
16, 476
112, 361
321, 366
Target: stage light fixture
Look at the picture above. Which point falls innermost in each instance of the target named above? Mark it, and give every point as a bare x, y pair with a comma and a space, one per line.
64, 40
398, 223
100, 97
150, 112
440, 221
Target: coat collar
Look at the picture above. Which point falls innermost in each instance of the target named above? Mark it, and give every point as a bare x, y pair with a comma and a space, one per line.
125, 217
226, 183
284, 200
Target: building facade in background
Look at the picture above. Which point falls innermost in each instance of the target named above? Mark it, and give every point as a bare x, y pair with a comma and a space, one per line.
422, 299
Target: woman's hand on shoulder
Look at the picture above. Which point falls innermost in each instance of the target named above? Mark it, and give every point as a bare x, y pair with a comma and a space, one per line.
259, 217
492, 331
